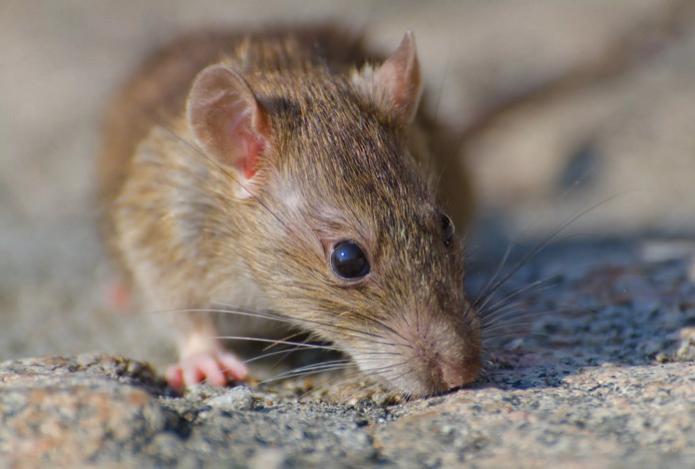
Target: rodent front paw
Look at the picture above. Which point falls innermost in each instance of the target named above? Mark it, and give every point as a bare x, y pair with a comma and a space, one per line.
216, 368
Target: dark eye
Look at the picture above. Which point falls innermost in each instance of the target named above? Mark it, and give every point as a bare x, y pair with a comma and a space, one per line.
349, 261
447, 229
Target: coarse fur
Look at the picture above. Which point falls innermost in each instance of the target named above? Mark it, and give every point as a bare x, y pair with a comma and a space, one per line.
340, 156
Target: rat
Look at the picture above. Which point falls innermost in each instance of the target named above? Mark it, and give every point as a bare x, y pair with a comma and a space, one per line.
293, 172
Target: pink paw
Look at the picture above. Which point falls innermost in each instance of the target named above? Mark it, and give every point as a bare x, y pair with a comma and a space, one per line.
118, 295
214, 367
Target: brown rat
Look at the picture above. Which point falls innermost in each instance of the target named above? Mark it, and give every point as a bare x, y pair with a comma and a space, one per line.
290, 171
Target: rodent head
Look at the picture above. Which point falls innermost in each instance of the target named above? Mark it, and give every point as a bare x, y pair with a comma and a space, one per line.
340, 226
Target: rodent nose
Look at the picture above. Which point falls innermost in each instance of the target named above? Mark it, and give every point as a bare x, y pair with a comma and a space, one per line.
459, 374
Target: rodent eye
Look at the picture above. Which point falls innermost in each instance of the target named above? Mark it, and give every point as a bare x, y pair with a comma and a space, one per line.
447, 229
349, 261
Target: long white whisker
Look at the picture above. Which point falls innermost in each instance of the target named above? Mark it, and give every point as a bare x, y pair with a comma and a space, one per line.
315, 370
284, 342
277, 352
326, 327
501, 303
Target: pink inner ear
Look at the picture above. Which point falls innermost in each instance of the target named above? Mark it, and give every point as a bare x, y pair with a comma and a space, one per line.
252, 148
399, 78
227, 120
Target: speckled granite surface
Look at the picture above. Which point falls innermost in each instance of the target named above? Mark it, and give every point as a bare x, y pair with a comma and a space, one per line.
609, 382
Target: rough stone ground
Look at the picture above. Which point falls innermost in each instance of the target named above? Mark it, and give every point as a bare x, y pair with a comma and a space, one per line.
607, 383
606, 99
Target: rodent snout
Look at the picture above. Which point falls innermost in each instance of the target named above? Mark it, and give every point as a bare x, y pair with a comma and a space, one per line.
427, 359
458, 374
447, 360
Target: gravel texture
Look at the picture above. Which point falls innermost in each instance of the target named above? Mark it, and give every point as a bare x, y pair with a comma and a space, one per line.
591, 365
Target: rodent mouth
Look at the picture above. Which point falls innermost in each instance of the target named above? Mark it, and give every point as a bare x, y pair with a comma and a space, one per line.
456, 375
442, 377
423, 370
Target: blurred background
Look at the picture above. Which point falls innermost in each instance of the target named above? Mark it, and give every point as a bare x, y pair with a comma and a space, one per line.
562, 106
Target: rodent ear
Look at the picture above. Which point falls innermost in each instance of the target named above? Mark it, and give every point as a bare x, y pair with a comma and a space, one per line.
398, 79
227, 120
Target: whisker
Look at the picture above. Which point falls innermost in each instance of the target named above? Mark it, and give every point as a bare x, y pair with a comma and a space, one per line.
238, 312
543, 335
343, 379
284, 342
486, 288
376, 385
385, 326
355, 376
325, 385
539, 248
289, 337
488, 315
289, 375
277, 352
526, 289
313, 368
328, 327
264, 315
502, 322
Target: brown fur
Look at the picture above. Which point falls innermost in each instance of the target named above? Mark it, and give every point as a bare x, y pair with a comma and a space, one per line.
340, 164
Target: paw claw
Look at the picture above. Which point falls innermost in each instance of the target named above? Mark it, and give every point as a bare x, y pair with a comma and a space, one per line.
216, 368
174, 376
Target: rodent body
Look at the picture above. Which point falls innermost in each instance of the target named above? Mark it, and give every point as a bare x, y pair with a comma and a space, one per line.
285, 171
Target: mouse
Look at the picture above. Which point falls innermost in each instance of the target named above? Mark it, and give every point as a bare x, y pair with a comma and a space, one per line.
292, 172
